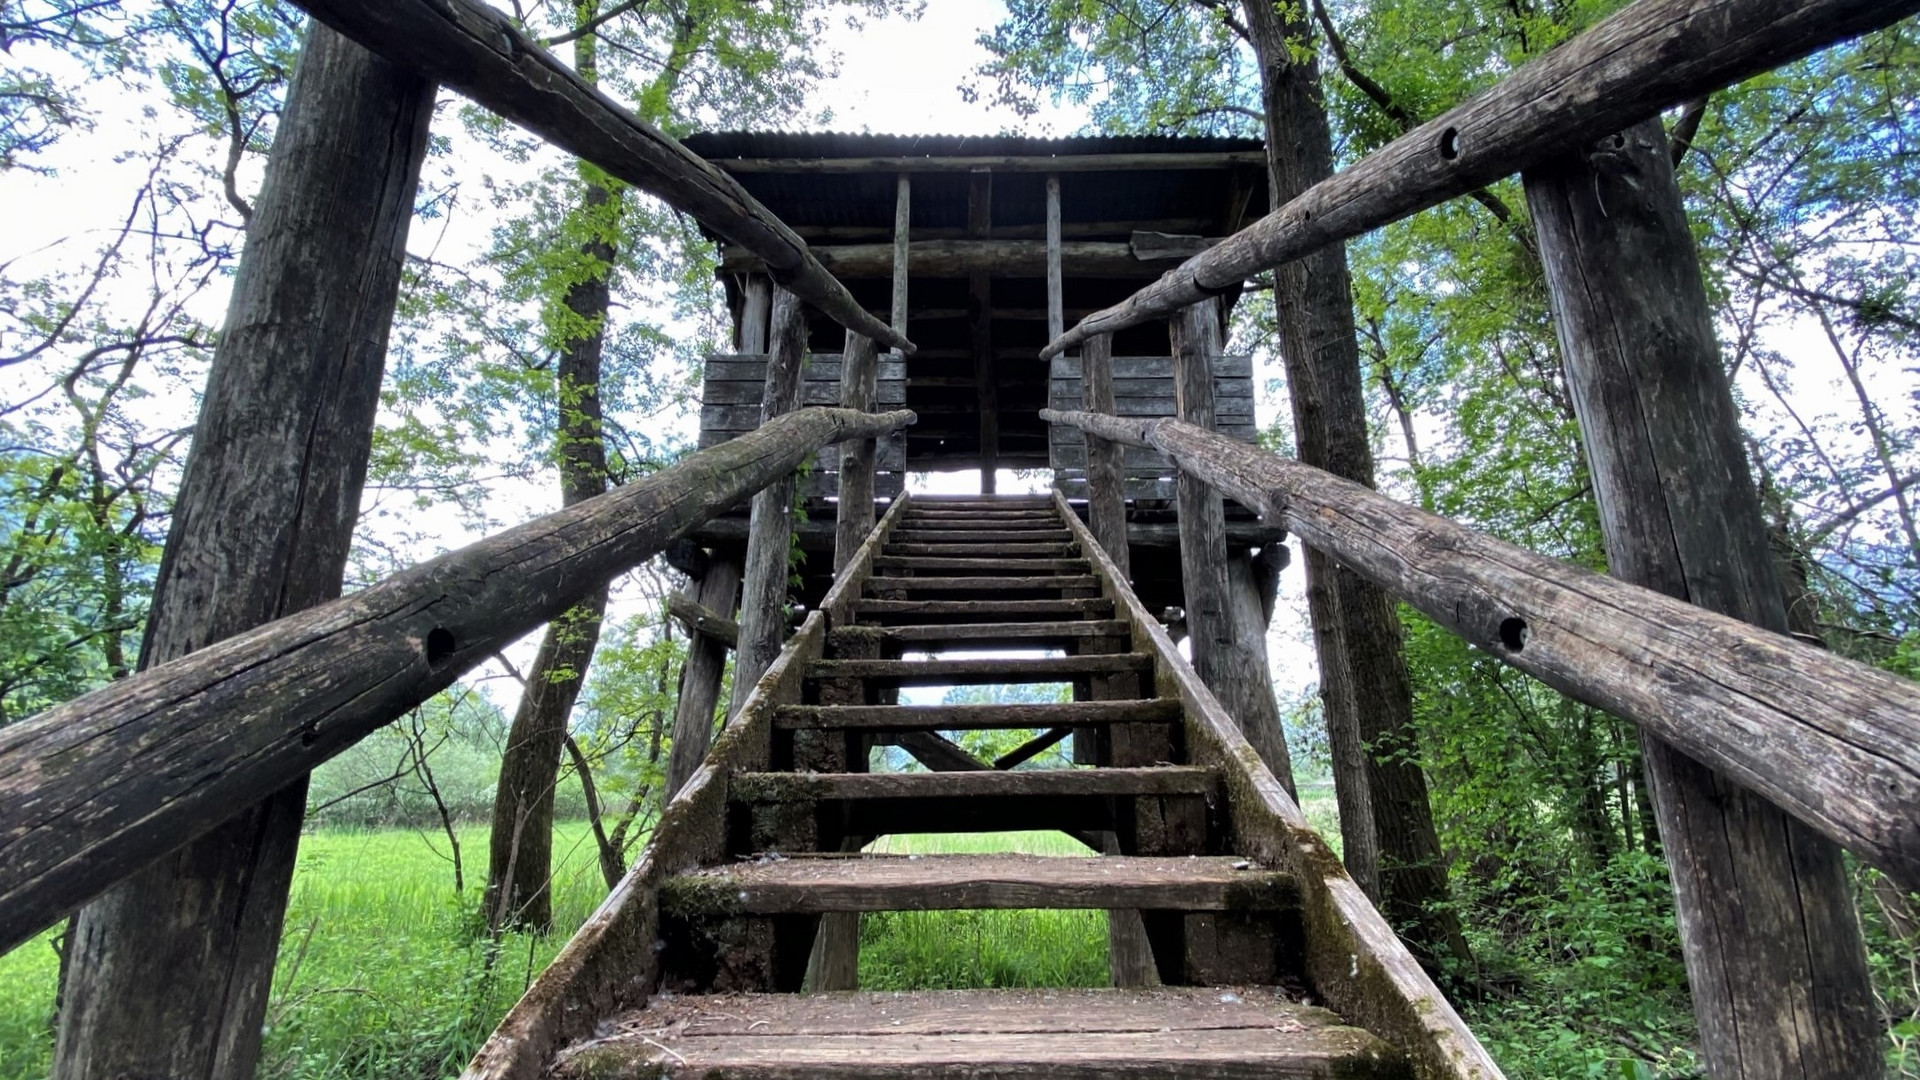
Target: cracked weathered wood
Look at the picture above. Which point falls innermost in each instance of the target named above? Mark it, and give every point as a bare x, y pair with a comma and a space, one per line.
477, 50
977, 717
854, 512
986, 784
981, 610
702, 673
1627, 67
765, 573
1833, 742
697, 618
979, 882
968, 671
97, 788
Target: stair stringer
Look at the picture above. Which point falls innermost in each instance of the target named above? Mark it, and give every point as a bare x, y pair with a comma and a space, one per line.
612, 963
1355, 961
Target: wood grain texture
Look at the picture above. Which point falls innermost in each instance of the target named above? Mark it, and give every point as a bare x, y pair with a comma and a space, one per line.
1833, 742
987, 784
97, 788
979, 882
902, 257
970, 671
1106, 491
478, 51
978, 717
1627, 67
1775, 960
169, 973
702, 673
763, 588
1355, 962
854, 514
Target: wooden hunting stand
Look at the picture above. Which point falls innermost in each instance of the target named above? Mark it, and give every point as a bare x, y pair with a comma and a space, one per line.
963, 260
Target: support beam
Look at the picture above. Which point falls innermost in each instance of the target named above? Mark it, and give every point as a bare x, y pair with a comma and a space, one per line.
95, 789
1221, 654
717, 590
1832, 742
168, 974
700, 619
902, 252
477, 50
1627, 67
854, 515
1056, 297
1774, 955
980, 324
1010, 163
756, 309
763, 592
1106, 466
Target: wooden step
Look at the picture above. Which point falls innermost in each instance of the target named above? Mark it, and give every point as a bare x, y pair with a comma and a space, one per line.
981, 566
979, 522
984, 583
978, 536
998, 551
975, 717
981, 515
780, 787
939, 637
1166, 1033
991, 502
973, 671
811, 886
978, 611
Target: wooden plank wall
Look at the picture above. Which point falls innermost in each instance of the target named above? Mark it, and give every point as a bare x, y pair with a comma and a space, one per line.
730, 407
1143, 389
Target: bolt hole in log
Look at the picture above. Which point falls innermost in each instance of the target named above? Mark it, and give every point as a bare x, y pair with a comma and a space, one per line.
1513, 633
439, 646
1450, 143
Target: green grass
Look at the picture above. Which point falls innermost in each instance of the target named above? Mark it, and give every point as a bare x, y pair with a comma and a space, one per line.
379, 973
949, 950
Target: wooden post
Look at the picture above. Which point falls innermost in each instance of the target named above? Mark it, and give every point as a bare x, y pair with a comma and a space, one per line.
980, 325
902, 230
718, 589
169, 971
1220, 652
1106, 461
859, 386
1056, 300
1772, 943
763, 597
756, 307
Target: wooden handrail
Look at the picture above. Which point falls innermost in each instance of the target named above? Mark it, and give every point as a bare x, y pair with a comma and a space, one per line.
1831, 741
475, 49
1627, 67
103, 785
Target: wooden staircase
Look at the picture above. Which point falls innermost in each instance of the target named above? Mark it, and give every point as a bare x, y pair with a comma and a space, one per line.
1232, 925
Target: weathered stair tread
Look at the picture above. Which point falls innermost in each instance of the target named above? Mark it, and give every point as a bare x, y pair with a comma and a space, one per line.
1155, 1034
980, 522
992, 783
951, 882
990, 567
983, 610
992, 669
998, 551
983, 583
983, 635
976, 717
981, 537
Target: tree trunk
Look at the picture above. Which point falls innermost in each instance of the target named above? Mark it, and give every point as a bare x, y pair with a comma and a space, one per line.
520, 843
1772, 942
1362, 661
169, 971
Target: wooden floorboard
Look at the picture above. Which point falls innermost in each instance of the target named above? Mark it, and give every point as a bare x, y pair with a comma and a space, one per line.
978, 882
1160, 1034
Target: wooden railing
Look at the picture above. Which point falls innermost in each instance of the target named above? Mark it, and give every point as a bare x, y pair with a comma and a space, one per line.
1833, 742
94, 789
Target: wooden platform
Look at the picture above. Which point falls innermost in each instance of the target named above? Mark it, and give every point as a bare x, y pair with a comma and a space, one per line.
1183, 1032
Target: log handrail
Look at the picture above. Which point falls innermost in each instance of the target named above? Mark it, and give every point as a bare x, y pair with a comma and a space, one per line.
1629, 66
477, 50
103, 785
1831, 741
